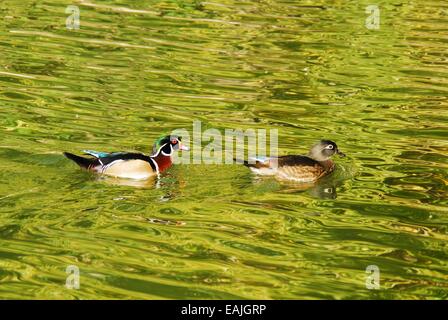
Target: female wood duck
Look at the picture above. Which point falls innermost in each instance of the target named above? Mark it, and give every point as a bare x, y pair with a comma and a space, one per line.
309, 168
131, 165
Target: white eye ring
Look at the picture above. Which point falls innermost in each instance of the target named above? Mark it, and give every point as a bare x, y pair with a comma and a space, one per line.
330, 146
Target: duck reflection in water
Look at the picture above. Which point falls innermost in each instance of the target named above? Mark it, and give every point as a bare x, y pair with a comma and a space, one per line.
323, 189
169, 186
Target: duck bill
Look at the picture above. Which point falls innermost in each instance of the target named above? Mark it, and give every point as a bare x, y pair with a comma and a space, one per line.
184, 147
341, 154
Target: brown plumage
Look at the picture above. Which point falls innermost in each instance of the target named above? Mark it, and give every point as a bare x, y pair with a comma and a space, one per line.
299, 168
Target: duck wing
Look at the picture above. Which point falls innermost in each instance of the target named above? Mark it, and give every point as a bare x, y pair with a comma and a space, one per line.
295, 160
127, 165
109, 159
104, 160
272, 162
99, 154
302, 168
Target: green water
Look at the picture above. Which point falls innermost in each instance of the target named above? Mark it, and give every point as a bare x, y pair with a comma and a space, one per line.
138, 69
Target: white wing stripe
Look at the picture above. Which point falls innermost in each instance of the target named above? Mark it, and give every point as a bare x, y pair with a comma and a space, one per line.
104, 168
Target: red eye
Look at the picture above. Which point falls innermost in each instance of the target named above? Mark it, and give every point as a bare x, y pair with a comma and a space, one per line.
173, 141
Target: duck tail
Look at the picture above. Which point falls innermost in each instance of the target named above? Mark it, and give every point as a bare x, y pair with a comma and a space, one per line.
240, 161
80, 161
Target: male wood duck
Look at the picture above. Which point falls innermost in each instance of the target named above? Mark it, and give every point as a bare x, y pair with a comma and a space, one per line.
131, 165
309, 168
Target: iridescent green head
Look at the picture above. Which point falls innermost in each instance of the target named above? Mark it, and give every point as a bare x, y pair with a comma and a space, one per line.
167, 144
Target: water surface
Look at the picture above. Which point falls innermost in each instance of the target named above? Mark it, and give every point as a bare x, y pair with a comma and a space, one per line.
138, 69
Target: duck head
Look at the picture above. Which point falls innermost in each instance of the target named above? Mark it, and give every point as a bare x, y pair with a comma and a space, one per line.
166, 145
324, 150
163, 149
